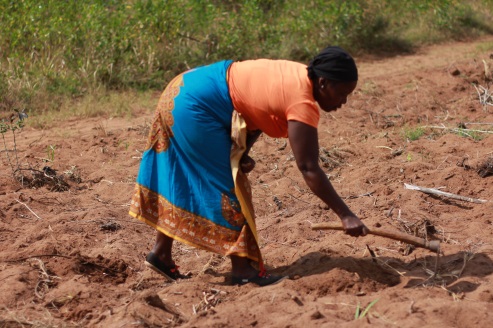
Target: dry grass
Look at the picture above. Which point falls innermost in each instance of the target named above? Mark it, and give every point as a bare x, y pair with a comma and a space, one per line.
13, 318
98, 104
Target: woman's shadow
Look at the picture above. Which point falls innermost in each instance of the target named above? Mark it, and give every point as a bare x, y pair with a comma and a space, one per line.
424, 271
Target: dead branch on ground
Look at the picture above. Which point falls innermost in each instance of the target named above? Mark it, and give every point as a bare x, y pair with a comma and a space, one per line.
445, 194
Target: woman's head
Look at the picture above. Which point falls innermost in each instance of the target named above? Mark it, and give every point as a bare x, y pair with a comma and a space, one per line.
334, 75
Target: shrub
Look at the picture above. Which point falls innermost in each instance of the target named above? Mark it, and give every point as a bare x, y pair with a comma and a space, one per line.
68, 48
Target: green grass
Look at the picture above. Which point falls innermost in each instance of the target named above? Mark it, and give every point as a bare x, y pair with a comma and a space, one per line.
360, 315
413, 134
55, 52
474, 135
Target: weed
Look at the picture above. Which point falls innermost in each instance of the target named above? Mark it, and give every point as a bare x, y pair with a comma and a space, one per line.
50, 153
123, 143
476, 136
413, 134
14, 123
102, 128
359, 315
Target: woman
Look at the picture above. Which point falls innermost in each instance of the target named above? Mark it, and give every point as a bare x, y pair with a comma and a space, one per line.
192, 186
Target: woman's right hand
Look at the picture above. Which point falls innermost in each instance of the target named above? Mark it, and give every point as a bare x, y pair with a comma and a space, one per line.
247, 164
353, 226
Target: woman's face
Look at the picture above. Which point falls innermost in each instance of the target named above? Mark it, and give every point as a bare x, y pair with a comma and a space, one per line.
332, 95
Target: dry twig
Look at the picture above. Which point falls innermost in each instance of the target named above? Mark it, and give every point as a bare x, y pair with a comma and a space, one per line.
210, 300
457, 130
18, 201
485, 97
45, 282
445, 194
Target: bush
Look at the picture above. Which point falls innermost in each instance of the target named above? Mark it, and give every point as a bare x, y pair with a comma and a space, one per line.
69, 48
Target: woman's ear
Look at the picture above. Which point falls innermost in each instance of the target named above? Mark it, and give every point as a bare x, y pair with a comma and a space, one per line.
322, 82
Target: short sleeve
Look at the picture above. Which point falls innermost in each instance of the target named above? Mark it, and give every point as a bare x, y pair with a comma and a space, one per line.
305, 112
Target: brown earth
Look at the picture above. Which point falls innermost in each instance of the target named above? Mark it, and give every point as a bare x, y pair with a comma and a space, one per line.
71, 255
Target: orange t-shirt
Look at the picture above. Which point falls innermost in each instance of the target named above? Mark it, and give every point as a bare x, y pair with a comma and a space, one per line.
269, 93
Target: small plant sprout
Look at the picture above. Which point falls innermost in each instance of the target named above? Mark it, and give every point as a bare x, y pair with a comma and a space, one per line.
124, 143
360, 315
50, 152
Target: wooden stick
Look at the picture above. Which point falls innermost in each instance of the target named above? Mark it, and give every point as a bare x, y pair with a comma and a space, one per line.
433, 245
442, 193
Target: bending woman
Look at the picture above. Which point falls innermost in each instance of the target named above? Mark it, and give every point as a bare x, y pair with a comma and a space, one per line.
192, 186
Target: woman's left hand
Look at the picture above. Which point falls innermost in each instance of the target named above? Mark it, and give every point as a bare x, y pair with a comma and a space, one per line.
247, 164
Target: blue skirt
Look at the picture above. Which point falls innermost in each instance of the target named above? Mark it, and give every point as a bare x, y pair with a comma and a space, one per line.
185, 187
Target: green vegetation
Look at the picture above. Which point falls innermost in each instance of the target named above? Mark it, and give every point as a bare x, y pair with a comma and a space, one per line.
432, 132
360, 315
476, 135
414, 133
56, 51
50, 153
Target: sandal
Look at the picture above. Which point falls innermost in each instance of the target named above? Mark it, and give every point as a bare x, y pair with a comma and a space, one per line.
171, 273
262, 279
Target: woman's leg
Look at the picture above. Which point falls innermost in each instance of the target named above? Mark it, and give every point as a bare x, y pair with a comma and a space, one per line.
242, 267
162, 249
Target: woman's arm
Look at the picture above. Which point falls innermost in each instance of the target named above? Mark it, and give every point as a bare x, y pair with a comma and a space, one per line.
304, 143
252, 136
247, 163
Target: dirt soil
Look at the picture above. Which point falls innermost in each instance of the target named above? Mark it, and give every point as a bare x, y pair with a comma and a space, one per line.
71, 256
